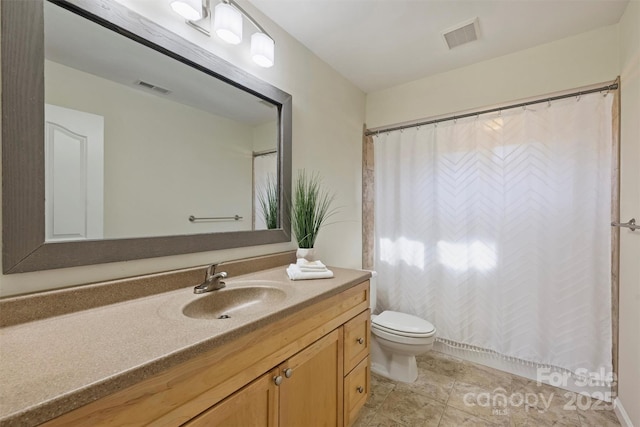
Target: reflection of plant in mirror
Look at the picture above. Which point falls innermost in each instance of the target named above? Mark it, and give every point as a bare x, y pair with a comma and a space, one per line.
268, 199
310, 209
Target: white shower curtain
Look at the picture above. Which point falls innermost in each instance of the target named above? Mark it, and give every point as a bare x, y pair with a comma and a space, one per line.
497, 229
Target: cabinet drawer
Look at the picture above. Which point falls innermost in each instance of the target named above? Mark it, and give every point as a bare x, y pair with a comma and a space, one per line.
356, 391
356, 340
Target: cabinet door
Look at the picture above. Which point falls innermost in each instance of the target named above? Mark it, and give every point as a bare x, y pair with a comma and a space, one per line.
254, 405
311, 392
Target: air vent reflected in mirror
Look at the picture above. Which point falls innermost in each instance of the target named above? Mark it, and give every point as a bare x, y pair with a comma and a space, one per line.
152, 87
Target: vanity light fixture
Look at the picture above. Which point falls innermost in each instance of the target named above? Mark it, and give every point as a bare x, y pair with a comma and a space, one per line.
227, 24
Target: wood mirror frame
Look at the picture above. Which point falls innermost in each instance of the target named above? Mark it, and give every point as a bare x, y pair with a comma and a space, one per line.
23, 187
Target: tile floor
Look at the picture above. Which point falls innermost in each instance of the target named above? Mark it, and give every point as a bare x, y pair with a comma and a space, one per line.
451, 392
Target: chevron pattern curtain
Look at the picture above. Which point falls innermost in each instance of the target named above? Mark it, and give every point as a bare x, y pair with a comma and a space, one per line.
497, 230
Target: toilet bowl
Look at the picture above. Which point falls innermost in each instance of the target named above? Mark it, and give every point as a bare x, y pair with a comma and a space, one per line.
396, 339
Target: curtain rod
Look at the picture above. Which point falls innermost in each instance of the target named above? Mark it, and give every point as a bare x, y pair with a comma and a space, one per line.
392, 128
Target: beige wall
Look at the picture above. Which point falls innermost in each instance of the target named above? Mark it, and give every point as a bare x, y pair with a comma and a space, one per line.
580, 60
629, 360
161, 158
328, 112
264, 136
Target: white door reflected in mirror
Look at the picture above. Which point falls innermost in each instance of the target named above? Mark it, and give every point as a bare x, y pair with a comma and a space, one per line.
74, 174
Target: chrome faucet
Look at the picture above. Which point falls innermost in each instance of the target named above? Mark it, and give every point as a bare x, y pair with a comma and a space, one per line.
212, 281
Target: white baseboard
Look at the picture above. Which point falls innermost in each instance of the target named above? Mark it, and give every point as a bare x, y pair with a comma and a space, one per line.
622, 415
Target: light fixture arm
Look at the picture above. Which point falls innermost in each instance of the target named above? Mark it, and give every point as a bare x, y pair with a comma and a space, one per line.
205, 20
249, 17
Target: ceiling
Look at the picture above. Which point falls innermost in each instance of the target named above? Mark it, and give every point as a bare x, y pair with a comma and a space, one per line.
377, 44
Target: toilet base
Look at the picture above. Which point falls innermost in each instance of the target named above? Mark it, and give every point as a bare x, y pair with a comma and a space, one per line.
397, 366
404, 371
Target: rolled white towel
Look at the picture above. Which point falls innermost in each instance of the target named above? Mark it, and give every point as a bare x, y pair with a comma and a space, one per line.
294, 273
310, 265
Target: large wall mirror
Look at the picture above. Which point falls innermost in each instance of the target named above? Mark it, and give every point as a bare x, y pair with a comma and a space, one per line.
122, 141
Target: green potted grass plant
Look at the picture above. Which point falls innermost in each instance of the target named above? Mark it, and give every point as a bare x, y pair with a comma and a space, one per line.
310, 208
268, 201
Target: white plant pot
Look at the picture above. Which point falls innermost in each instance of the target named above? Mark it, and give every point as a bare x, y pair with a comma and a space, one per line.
308, 254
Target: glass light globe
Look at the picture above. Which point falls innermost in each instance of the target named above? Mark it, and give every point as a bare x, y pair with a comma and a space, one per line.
227, 23
262, 49
188, 9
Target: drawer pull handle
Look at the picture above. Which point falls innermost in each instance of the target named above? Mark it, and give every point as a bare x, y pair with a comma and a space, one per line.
360, 340
360, 389
277, 380
288, 372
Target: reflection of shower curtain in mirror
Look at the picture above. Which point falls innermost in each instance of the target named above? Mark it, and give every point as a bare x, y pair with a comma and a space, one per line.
264, 166
497, 230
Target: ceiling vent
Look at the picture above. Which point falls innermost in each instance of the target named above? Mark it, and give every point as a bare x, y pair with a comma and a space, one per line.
462, 33
153, 87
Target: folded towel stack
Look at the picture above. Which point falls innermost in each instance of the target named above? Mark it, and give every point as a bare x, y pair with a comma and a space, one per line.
304, 270
310, 265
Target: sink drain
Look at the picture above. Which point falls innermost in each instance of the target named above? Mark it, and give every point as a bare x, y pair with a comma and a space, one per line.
224, 316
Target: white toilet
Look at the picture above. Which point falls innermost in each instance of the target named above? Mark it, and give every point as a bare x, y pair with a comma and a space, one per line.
397, 338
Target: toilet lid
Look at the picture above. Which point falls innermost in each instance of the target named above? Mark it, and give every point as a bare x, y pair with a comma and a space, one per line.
403, 323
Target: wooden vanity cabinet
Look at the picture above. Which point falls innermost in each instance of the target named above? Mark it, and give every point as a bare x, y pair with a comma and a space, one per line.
308, 369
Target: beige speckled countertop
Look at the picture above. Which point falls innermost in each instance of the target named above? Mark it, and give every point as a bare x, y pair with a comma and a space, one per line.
54, 365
